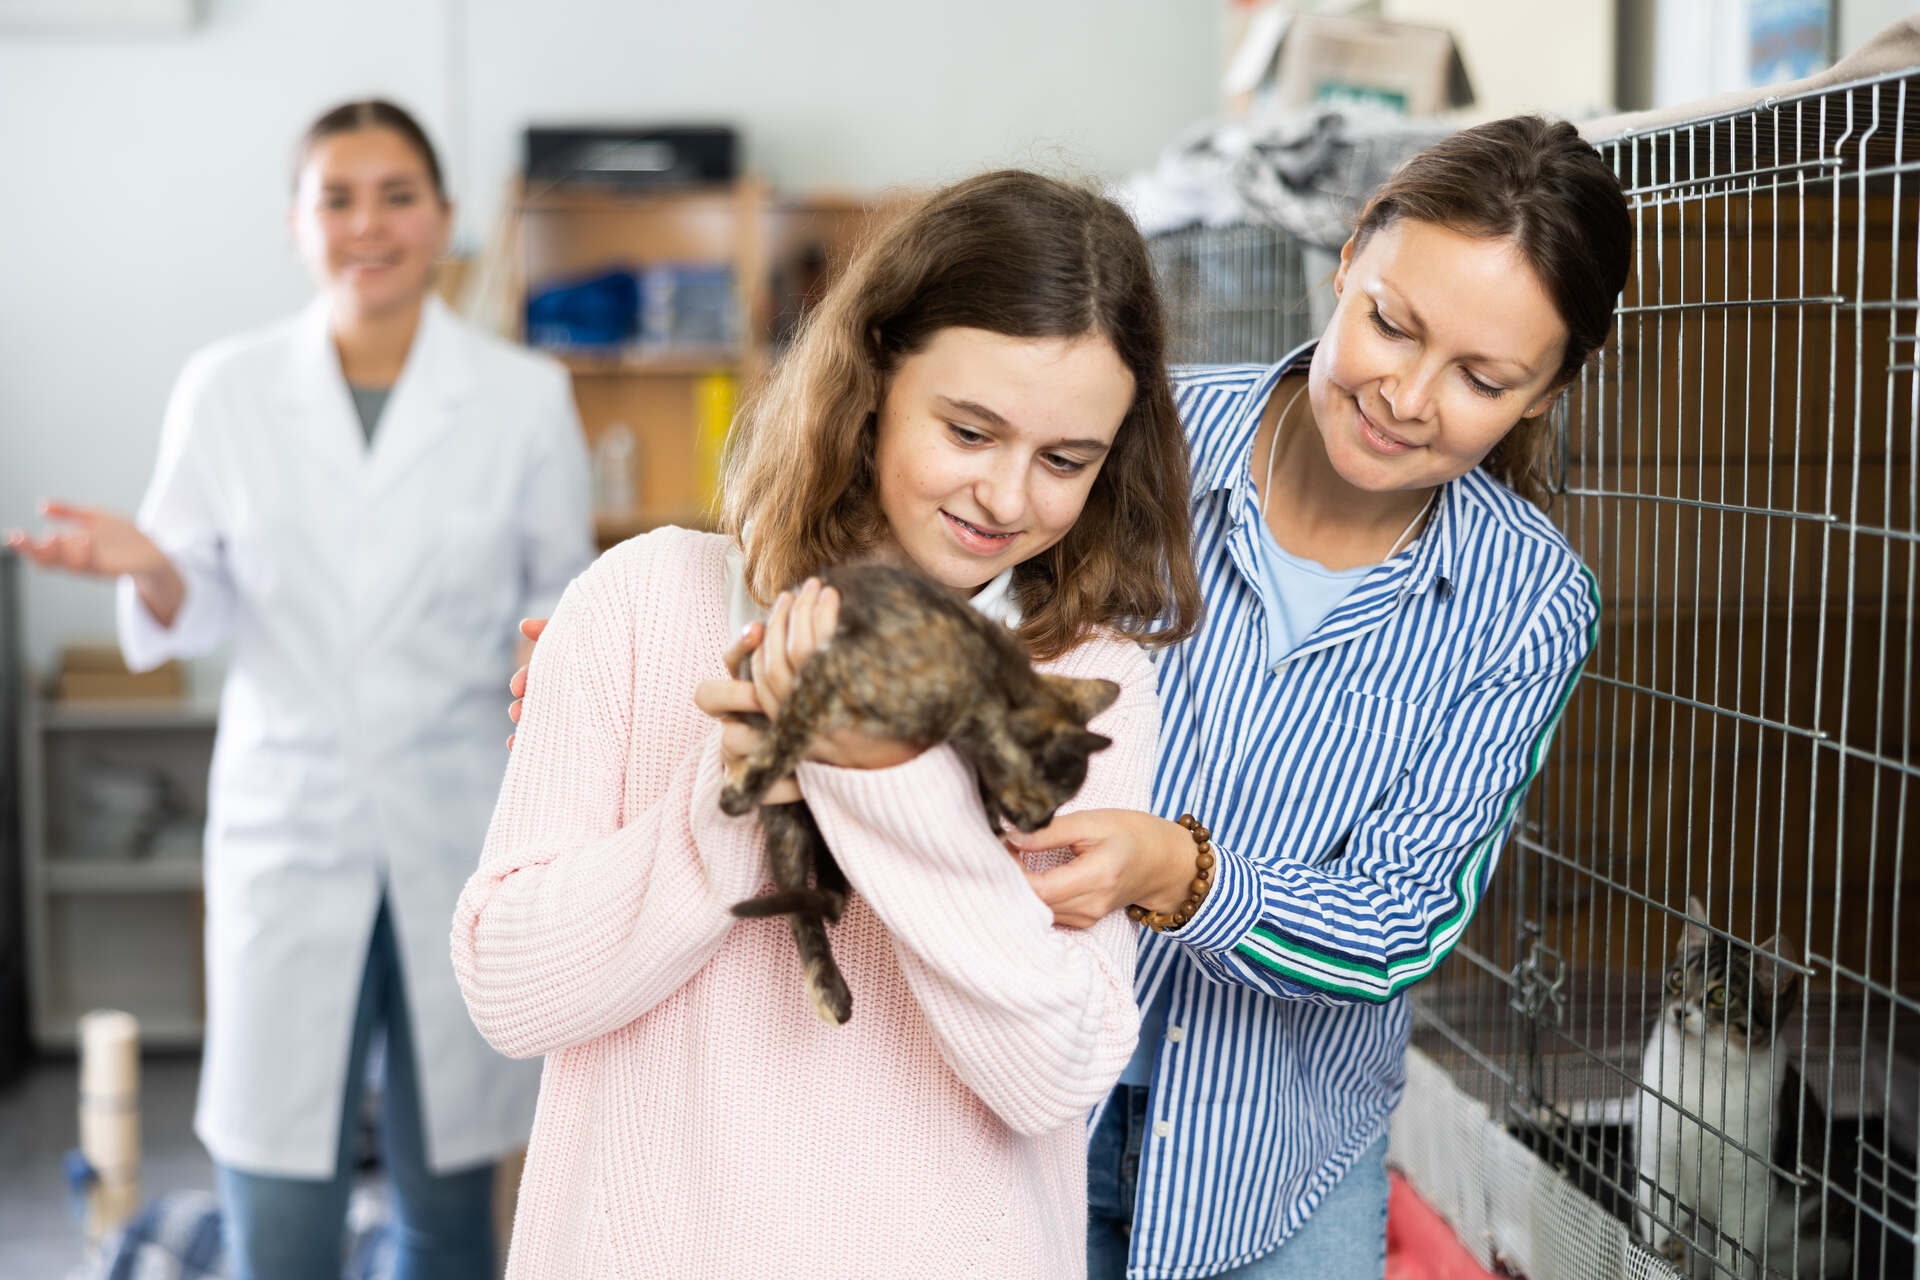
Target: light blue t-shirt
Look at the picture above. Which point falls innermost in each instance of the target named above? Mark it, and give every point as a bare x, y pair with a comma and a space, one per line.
1296, 595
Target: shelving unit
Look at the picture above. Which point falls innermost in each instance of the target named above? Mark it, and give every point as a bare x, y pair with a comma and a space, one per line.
677, 401
104, 929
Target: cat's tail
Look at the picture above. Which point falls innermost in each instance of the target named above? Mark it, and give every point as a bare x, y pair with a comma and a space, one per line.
826, 988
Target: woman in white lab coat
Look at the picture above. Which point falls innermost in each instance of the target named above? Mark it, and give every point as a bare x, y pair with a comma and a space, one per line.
362, 499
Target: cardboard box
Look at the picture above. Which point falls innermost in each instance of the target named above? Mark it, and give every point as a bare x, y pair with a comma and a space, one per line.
96, 673
1287, 61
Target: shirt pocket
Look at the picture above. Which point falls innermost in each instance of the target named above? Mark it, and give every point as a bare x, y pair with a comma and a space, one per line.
1395, 721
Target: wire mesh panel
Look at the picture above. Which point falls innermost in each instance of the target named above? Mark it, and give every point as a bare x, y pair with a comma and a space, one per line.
1235, 294
1685, 989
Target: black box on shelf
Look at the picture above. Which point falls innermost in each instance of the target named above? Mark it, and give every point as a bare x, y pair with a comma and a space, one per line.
632, 157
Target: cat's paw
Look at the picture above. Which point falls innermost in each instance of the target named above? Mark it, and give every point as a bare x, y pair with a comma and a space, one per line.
1673, 1249
735, 799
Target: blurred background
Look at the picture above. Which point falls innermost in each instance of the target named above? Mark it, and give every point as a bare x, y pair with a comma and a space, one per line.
149, 143
696, 172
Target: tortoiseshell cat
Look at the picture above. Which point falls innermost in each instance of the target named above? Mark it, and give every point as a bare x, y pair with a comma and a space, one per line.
1713, 1056
911, 662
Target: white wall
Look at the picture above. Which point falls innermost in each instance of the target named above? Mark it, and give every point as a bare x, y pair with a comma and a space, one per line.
145, 180
1862, 20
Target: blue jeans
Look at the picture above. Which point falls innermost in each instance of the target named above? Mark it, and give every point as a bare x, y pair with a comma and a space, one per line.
1345, 1238
278, 1228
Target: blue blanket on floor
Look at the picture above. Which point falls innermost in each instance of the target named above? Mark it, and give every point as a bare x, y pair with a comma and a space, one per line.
177, 1237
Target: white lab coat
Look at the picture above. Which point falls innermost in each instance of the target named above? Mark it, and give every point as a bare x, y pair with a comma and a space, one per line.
371, 596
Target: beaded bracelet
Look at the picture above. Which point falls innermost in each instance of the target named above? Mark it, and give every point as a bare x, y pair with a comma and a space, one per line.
1161, 921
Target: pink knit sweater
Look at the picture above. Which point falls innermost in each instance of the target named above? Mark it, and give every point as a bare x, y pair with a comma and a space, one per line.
696, 1118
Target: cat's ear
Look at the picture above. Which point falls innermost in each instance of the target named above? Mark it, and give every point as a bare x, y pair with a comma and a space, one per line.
1086, 698
1769, 974
1094, 743
1064, 758
1696, 935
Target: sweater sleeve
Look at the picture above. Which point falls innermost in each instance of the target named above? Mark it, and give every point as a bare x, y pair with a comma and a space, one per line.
582, 916
1385, 912
1037, 1021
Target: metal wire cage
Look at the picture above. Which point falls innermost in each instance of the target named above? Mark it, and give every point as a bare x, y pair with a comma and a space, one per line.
1234, 294
1738, 472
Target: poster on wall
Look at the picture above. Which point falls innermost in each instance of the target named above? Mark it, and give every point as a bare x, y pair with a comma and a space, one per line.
1788, 39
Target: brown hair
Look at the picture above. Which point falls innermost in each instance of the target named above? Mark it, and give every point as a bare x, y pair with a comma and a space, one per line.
1016, 254
1538, 184
370, 113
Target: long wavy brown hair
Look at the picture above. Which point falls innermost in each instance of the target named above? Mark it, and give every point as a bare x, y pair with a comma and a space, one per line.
1013, 253
1538, 183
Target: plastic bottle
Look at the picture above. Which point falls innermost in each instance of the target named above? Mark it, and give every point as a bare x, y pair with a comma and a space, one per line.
614, 481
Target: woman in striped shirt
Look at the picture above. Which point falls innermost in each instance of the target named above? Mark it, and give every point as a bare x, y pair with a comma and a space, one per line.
1393, 627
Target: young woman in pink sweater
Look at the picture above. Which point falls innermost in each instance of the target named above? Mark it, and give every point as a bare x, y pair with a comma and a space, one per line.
982, 396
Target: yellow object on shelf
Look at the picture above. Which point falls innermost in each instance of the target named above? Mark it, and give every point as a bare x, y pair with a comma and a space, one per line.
714, 396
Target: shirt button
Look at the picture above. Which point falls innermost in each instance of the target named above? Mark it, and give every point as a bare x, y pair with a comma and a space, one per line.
1162, 1128
1176, 1034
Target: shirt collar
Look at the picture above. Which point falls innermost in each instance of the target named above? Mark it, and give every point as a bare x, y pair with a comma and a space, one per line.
997, 601
1436, 554
1225, 466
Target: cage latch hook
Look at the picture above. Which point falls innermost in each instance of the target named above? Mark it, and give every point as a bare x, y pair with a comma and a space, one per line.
1540, 979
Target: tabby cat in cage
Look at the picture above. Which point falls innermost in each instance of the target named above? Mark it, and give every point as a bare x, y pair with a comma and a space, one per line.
910, 662
1714, 1058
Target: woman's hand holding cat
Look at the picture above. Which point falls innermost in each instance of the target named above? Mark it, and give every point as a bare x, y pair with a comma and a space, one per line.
797, 625
530, 628
1120, 857
795, 628
727, 700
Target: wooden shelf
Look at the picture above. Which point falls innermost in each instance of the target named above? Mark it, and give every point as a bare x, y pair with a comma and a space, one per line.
582, 199
677, 403
104, 931
58, 1031
823, 202
158, 713
690, 363
123, 875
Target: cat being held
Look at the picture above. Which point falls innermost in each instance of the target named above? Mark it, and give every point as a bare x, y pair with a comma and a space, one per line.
911, 662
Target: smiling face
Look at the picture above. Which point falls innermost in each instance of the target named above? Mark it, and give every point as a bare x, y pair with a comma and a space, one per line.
368, 220
1439, 344
987, 447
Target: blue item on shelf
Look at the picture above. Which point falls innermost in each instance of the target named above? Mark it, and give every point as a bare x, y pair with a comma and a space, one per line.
599, 311
688, 305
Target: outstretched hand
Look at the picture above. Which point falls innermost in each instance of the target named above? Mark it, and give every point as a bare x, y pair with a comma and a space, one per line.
92, 540
105, 544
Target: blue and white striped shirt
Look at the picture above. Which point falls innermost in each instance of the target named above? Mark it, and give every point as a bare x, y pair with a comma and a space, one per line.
1358, 795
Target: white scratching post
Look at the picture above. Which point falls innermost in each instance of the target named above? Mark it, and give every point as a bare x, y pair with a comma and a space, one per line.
110, 1116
